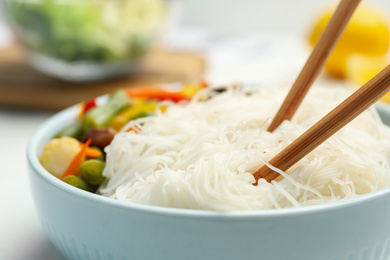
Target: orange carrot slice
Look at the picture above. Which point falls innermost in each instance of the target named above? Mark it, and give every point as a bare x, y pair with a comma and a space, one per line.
77, 160
91, 152
155, 92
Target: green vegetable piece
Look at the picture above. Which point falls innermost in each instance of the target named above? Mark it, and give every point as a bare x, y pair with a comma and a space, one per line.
102, 115
92, 171
77, 182
75, 130
143, 114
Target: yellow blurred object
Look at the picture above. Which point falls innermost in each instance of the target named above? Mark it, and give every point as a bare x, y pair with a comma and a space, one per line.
368, 34
361, 68
190, 89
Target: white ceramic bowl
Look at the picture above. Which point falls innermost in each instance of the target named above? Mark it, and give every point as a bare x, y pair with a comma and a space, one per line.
86, 226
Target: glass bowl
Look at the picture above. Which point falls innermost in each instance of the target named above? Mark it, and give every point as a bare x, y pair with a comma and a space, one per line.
83, 40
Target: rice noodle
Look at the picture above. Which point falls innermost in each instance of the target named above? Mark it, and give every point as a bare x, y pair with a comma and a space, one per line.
201, 155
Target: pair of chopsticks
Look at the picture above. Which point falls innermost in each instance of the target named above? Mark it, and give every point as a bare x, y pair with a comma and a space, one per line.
349, 109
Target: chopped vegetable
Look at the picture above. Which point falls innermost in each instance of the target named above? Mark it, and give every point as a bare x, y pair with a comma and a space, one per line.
75, 130
190, 89
92, 171
85, 106
131, 113
76, 154
73, 168
77, 182
92, 152
58, 154
101, 157
118, 125
157, 93
143, 114
101, 136
102, 115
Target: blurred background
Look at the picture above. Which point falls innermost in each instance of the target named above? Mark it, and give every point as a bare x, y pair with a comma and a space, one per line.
258, 16
160, 41
266, 42
260, 35
253, 15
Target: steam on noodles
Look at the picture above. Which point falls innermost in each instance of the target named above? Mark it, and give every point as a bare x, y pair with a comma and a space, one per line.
202, 155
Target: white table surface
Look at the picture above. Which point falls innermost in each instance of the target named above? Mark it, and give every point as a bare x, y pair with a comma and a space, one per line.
21, 236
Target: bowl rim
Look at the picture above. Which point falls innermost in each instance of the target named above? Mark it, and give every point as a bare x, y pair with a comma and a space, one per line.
46, 131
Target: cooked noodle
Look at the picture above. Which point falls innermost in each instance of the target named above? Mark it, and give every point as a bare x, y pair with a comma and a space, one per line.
202, 155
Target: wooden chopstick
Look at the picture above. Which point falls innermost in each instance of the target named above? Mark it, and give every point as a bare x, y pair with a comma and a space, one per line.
350, 108
316, 61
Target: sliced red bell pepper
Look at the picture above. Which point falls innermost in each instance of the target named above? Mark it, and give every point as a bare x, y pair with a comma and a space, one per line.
89, 104
85, 106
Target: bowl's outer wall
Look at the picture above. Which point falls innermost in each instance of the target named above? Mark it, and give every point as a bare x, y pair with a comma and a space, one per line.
84, 228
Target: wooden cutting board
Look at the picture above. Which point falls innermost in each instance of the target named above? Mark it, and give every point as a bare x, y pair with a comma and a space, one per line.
23, 87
